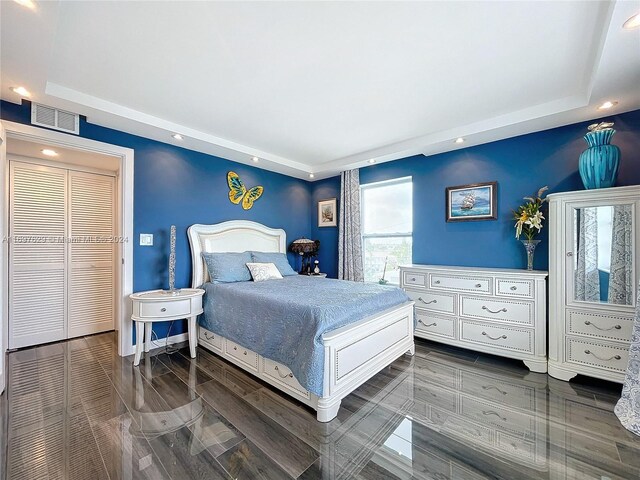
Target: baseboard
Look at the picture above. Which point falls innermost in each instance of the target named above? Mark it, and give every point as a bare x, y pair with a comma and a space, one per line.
161, 342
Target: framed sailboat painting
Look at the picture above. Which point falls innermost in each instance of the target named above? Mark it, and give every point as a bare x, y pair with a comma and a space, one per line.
477, 201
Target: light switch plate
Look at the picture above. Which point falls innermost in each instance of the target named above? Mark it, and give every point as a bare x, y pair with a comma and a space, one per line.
146, 239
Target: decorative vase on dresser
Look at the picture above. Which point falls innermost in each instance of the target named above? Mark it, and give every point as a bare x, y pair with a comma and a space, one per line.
491, 310
594, 268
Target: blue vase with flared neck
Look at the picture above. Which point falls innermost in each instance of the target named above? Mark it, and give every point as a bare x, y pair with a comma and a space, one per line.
599, 163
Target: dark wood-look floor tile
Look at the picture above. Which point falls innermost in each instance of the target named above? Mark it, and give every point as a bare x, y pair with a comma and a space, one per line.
247, 461
185, 368
185, 458
215, 432
291, 454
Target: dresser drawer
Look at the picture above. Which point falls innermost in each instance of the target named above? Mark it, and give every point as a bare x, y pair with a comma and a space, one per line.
165, 309
210, 339
600, 325
282, 376
504, 337
241, 354
461, 427
429, 394
516, 446
459, 283
434, 325
436, 302
515, 288
596, 354
498, 416
502, 310
414, 279
506, 393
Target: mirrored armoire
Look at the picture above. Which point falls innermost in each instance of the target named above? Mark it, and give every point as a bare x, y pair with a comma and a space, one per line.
593, 278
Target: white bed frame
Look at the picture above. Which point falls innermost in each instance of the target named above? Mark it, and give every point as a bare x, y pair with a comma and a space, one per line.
353, 353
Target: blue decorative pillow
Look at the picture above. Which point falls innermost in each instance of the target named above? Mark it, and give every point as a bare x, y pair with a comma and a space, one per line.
228, 267
279, 259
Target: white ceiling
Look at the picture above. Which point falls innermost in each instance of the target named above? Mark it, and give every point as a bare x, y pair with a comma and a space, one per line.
24, 148
322, 87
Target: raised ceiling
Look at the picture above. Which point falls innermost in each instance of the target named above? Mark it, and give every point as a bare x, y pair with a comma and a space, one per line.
319, 87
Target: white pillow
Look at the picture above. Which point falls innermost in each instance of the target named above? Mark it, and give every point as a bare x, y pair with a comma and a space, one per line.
263, 271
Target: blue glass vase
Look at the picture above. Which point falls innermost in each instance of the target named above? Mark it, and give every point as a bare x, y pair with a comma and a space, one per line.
599, 163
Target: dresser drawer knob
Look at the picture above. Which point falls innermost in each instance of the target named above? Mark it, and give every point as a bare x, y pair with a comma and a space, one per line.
478, 285
434, 324
290, 375
514, 288
163, 309
504, 337
615, 357
484, 307
491, 412
429, 302
617, 327
413, 279
437, 282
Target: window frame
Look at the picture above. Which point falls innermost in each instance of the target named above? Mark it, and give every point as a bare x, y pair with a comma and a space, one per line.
384, 183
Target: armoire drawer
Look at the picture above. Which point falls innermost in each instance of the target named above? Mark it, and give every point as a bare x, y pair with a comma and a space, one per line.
436, 302
515, 288
430, 324
459, 283
520, 312
505, 337
414, 279
597, 354
600, 325
243, 355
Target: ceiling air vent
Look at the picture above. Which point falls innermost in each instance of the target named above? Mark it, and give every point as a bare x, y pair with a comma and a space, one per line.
53, 118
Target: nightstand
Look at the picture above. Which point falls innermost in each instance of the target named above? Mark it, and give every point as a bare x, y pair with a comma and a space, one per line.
159, 306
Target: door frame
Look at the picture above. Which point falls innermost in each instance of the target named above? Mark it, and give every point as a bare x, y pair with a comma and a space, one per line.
124, 197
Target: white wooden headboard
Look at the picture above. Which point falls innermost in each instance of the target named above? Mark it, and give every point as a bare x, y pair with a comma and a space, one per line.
232, 236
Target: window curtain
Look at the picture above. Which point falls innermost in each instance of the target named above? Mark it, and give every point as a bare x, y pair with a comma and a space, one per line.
621, 273
587, 276
628, 407
350, 266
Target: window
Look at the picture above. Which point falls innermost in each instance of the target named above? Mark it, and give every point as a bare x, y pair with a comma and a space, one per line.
387, 228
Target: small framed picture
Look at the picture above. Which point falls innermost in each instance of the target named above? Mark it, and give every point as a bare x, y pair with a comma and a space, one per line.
477, 201
327, 215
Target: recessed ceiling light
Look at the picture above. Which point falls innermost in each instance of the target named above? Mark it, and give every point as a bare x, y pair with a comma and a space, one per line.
311, 175
633, 22
255, 159
23, 92
30, 4
177, 136
459, 140
607, 105
49, 153
373, 160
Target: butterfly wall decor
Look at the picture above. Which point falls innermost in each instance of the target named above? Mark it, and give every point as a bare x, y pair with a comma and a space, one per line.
239, 193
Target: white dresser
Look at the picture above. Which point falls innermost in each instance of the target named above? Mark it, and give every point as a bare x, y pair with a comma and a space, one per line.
593, 279
497, 311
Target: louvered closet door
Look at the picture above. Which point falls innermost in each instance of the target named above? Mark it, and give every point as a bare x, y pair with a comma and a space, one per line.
92, 253
37, 254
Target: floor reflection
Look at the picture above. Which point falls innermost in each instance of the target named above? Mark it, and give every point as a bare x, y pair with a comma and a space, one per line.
76, 410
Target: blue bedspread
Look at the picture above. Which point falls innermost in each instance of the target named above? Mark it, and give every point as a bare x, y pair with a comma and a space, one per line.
284, 319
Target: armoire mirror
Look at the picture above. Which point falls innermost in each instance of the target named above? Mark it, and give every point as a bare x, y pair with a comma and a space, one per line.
603, 254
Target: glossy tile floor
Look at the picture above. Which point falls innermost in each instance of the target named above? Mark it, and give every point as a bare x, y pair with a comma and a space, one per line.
76, 410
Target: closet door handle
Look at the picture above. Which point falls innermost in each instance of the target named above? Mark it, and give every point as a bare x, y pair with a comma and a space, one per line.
615, 357
491, 311
617, 327
504, 337
427, 303
569, 254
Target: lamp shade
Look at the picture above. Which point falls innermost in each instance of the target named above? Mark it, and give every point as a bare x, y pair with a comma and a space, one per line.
304, 246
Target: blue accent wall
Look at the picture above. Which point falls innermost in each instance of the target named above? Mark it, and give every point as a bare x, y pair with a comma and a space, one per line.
176, 186
520, 165
328, 236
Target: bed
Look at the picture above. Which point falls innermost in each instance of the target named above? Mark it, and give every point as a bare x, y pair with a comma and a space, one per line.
350, 354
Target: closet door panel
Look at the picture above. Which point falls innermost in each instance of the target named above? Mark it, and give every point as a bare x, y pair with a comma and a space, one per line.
92, 253
37, 254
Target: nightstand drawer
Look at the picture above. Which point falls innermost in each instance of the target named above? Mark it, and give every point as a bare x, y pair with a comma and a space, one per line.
165, 309
437, 302
243, 355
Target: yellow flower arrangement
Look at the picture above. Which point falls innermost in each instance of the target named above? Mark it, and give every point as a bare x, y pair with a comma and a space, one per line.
529, 217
